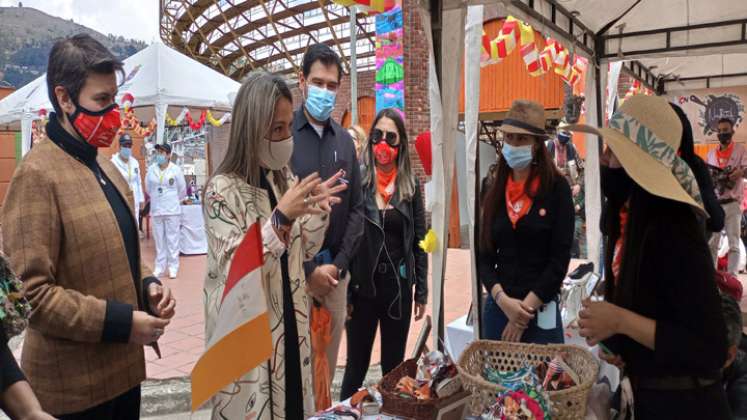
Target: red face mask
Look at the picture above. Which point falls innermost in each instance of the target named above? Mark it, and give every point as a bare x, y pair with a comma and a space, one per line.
97, 128
384, 153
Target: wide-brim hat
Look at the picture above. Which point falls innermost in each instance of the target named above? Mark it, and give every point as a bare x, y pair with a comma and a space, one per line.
645, 135
525, 117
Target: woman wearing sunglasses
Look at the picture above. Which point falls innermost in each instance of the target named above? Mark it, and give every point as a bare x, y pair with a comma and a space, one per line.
389, 262
526, 234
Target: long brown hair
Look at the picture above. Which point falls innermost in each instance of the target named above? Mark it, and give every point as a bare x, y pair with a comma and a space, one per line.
405, 177
253, 112
542, 166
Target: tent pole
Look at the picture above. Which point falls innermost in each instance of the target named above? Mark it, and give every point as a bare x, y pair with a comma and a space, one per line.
472, 45
353, 65
594, 91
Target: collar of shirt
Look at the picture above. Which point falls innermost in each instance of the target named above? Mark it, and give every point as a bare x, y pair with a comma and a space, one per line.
84, 152
300, 121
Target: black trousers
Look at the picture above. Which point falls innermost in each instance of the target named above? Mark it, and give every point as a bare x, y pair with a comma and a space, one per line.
390, 310
123, 407
703, 403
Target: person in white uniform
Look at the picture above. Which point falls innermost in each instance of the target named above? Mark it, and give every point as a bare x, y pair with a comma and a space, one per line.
166, 186
129, 167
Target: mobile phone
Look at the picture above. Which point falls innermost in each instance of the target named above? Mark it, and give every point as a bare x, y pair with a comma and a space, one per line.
592, 283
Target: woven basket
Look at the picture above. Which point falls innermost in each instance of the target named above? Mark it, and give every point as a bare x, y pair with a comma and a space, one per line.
568, 404
411, 408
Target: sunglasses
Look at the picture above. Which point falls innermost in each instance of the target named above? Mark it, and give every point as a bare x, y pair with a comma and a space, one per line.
378, 135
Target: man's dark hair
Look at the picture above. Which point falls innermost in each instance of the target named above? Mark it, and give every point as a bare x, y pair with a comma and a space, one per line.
324, 54
733, 319
72, 60
727, 121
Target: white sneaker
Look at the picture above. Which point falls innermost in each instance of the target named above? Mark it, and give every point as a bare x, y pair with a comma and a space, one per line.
172, 274
157, 274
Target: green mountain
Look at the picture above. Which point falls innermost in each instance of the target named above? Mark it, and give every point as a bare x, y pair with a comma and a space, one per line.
27, 36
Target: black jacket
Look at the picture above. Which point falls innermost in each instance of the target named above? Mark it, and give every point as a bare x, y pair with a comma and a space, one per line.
326, 155
10, 373
671, 281
535, 256
366, 259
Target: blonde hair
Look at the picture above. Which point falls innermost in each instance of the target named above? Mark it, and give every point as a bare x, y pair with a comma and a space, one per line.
359, 138
253, 112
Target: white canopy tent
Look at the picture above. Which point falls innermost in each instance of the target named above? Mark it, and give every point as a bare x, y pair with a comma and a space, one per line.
669, 44
157, 77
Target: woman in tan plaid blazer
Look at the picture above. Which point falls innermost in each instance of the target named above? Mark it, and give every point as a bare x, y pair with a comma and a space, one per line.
70, 233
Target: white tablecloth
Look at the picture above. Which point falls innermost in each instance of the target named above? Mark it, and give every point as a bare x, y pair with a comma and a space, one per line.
459, 335
192, 240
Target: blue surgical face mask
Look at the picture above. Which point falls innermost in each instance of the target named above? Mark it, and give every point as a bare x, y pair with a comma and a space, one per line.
161, 159
517, 157
125, 152
320, 103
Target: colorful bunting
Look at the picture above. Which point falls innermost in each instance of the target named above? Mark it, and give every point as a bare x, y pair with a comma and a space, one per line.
553, 57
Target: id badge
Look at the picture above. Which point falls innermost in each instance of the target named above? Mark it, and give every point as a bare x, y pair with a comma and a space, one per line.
547, 316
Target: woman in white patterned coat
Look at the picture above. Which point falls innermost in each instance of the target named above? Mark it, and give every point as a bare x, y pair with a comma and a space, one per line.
254, 184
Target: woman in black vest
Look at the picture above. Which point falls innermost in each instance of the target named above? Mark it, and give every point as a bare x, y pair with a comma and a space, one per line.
389, 261
526, 234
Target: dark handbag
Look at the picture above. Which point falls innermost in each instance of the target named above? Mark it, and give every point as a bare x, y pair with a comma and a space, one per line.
14, 308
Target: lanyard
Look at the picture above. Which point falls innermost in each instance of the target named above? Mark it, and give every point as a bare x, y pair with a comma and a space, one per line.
161, 175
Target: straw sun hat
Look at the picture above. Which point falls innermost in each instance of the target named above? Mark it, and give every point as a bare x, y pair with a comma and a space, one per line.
525, 117
645, 134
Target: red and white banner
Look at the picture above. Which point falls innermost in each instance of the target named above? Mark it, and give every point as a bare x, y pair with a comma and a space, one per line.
242, 338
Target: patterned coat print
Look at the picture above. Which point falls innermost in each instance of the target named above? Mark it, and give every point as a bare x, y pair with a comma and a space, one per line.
231, 206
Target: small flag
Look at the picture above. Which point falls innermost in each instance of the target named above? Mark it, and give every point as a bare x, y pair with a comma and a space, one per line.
242, 319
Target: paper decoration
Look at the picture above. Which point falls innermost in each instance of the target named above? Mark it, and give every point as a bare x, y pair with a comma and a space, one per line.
370, 7
127, 101
196, 125
390, 72
423, 147
553, 57
430, 242
218, 122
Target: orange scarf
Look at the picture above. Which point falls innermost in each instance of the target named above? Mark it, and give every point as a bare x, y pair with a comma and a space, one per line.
518, 202
617, 254
723, 156
385, 183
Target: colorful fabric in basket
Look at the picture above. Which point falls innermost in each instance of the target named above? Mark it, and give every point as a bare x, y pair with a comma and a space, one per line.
14, 308
517, 405
524, 382
558, 375
516, 380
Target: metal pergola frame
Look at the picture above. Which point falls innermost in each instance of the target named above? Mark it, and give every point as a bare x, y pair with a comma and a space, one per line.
667, 35
235, 37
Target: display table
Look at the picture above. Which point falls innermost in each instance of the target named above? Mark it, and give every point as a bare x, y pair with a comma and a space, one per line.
192, 240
